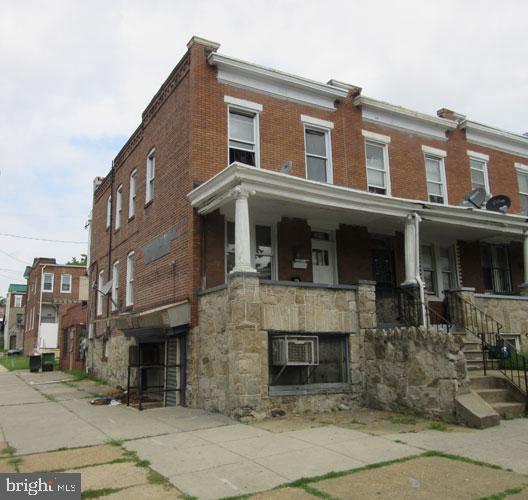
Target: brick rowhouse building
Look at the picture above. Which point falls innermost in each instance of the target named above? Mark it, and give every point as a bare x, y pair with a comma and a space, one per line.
50, 287
257, 224
14, 318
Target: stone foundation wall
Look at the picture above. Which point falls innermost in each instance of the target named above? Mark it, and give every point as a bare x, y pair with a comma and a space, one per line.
415, 371
114, 369
228, 351
512, 313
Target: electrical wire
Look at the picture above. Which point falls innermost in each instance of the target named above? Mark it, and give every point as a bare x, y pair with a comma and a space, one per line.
43, 239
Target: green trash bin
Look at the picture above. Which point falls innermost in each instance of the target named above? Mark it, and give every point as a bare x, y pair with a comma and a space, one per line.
48, 360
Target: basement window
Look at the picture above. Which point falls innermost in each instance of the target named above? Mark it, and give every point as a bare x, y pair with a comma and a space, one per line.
307, 363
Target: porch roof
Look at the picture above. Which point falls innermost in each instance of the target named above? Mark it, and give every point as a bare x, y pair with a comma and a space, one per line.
286, 189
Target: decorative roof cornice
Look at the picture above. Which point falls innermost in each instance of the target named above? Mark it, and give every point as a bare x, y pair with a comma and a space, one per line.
277, 83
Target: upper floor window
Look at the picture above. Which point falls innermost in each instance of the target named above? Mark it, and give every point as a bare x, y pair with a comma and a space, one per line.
130, 271
118, 206
377, 168
318, 149
151, 173
98, 295
47, 283
243, 137
522, 180
479, 170
109, 211
18, 300
66, 283
132, 195
435, 174
115, 285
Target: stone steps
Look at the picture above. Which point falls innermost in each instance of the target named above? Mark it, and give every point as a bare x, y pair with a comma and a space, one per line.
494, 395
509, 409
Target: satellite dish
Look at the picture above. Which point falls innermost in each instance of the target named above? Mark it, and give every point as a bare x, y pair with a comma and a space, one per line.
499, 203
475, 198
106, 288
286, 167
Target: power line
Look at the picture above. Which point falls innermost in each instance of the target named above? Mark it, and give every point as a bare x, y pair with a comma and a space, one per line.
43, 239
13, 257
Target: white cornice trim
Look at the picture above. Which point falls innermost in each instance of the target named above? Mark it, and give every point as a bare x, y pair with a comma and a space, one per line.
440, 153
276, 83
477, 155
276, 186
242, 103
317, 122
494, 138
402, 118
385, 139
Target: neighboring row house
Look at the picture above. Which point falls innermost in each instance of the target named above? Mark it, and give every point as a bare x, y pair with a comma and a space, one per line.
14, 318
239, 237
49, 287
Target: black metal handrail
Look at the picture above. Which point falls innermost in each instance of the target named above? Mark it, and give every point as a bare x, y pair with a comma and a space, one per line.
412, 309
497, 354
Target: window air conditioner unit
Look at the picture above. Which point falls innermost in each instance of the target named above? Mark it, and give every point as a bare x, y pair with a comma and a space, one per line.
291, 350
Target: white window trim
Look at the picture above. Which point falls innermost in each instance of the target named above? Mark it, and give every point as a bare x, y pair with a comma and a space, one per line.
108, 211
70, 280
256, 126
385, 146
18, 298
521, 167
375, 137
328, 143
150, 175
132, 194
317, 122
118, 206
477, 155
243, 104
52, 282
115, 286
438, 268
443, 178
99, 296
428, 150
484, 160
129, 292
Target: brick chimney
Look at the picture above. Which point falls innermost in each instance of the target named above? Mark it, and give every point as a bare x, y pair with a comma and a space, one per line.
450, 115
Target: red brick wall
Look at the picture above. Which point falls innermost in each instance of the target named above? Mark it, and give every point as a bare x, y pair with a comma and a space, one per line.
471, 265
294, 239
12, 299
354, 257
71, 316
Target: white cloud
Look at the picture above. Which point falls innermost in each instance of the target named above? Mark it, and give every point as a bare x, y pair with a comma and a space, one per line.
74, 72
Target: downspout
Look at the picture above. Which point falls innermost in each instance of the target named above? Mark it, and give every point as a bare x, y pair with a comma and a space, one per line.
417, 219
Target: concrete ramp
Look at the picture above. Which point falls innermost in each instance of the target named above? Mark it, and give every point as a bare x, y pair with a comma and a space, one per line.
473, 411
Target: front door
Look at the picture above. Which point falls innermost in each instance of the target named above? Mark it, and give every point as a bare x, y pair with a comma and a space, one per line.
323, 261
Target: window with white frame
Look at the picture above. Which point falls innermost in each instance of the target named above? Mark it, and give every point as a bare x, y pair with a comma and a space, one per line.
435, 176
522, 180
151, 173
318, 154
479, 170
378, 179
438, 268
66, 283
115, 285
132, 195
243, 136
98, 295
118, 206
47, 282
109, 211
18, 300
130, 271
496, 268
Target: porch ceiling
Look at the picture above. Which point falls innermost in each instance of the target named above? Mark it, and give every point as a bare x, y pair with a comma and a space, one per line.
275, 195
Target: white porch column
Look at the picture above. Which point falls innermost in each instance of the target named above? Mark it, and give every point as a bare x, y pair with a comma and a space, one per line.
242, 233
524, 286
412, 250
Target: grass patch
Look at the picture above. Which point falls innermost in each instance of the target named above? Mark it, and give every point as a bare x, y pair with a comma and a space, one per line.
437, 426
82, 375
49, 397
399, 441
15, 362
9, 450
503, 494
157, 478
189, 497
115, 442
402, 419
441, 454
99, 493
15, 461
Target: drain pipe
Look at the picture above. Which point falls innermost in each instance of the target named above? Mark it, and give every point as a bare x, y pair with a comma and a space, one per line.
417, 219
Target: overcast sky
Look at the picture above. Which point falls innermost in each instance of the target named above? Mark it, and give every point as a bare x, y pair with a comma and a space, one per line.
76, 75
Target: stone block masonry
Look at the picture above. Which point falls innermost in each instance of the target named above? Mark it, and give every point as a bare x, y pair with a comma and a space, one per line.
414, 371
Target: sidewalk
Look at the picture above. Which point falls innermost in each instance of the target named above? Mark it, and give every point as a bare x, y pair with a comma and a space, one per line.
210, 456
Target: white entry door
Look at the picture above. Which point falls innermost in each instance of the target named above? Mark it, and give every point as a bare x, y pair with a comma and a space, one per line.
323, 261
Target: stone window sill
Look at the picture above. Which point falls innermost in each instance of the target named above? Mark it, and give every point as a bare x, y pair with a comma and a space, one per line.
308, 389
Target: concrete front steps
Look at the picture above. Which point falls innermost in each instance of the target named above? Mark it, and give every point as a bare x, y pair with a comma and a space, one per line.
505, 399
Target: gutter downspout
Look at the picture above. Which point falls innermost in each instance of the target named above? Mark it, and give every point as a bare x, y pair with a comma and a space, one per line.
417, 220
